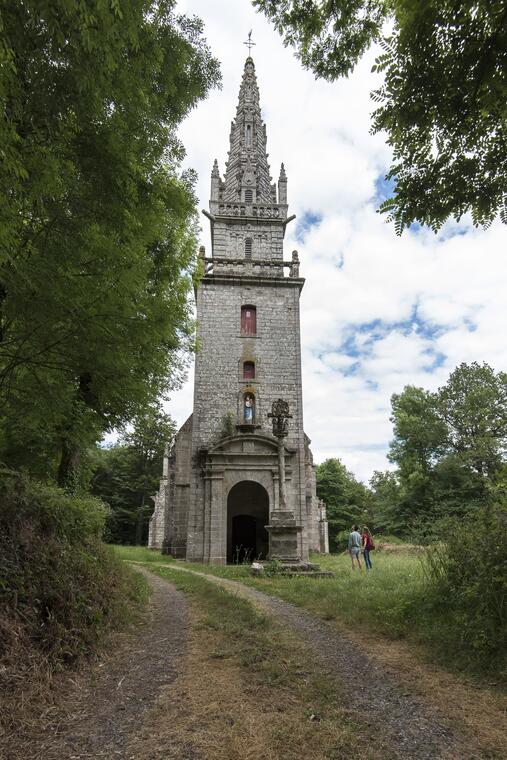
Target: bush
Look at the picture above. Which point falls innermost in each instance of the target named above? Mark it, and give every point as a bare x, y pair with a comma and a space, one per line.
61, 588
467, 583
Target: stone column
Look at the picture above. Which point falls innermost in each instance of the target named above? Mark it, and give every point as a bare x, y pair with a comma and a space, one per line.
283, 529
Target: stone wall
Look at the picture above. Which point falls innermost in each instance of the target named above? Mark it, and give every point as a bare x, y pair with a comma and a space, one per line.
219, 385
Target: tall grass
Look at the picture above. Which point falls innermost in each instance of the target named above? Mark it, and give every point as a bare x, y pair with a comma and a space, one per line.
452, 599
383, 600
467, 590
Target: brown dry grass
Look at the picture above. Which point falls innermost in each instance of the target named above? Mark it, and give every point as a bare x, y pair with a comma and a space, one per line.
218, 710
35, 698
411, 549
474, 710
477, 712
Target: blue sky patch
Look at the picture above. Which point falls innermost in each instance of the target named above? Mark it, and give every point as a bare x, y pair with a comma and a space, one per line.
359, 341
384, 189
309, 220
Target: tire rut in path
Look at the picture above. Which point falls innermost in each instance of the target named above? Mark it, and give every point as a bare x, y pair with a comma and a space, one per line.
410, 726
109, 712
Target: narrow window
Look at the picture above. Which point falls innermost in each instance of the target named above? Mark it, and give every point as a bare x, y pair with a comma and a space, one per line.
249, 408
248, 248
248, 370
248, 136
248, 320
248, 196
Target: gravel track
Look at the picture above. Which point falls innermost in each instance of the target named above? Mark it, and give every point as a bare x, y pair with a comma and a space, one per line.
106, 711
411, 727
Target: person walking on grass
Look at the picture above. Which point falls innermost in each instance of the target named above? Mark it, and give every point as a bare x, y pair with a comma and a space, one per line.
368, 545
355, 547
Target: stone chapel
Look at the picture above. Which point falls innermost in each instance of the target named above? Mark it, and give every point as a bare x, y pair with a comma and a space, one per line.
220, 498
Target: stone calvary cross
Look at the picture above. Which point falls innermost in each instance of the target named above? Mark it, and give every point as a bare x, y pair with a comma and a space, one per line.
283, 528
280, 415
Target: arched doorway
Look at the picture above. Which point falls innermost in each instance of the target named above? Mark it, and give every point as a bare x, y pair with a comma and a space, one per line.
247, 514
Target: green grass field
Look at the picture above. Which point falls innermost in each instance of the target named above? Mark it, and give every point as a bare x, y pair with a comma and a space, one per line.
385, 599
393, 600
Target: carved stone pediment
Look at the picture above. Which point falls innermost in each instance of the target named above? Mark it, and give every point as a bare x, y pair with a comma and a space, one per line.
250, 445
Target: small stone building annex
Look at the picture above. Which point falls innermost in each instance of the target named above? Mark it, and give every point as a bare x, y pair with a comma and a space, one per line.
221, 498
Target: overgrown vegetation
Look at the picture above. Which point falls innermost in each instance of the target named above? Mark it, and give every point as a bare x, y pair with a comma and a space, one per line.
61, 589
467, 591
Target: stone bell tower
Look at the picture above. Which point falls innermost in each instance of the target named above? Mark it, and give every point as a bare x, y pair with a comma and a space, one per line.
221, 491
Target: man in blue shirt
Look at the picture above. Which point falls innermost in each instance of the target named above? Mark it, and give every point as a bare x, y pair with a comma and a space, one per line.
355, 542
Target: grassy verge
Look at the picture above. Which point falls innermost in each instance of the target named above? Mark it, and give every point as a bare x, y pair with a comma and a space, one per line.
252, 689
62, 593
153, 556
384, 601
393, 600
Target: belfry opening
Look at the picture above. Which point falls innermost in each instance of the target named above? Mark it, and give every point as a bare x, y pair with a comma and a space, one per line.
247, 516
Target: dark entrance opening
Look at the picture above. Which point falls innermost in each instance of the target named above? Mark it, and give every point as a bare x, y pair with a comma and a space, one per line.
247, 514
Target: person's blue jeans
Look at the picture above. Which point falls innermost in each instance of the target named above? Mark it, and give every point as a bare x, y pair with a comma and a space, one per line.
367, 560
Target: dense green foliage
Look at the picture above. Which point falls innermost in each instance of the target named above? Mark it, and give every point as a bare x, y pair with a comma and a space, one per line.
442, 101
97, 223
449, 448
126, 475
467, 589
97, 246
347, 500
60, 588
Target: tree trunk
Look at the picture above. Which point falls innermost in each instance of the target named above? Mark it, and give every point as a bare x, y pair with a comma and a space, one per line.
139, 523
68, 469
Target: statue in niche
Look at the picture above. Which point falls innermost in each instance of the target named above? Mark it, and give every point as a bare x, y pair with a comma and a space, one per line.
248, 408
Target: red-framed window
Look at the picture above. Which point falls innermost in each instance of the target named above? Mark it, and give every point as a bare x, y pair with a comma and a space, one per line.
248, 320
248, 370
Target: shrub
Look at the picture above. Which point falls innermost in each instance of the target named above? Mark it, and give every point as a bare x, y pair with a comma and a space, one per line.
467, 584
60, 587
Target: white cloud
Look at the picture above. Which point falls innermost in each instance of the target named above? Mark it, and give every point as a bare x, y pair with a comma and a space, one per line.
377, 311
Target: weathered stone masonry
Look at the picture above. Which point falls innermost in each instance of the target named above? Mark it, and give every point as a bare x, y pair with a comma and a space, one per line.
220, 480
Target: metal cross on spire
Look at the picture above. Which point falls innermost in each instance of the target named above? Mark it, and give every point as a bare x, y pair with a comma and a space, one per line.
249, 42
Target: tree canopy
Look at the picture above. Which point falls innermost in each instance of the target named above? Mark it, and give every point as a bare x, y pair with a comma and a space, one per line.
97, 221
442, 100
126, 475
449, 448
347, 500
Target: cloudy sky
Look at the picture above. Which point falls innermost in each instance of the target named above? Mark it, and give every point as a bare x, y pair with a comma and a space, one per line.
377, 311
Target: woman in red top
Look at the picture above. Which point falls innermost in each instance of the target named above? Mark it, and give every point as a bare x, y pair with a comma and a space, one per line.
367, 546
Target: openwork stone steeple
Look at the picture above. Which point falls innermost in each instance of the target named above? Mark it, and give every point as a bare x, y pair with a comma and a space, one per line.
248, 212
247, 167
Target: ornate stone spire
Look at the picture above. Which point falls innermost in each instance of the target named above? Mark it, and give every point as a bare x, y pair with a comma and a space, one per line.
247, 178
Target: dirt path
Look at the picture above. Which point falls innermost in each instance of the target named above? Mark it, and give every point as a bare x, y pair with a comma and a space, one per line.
108, 712
106, 709
413, 727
